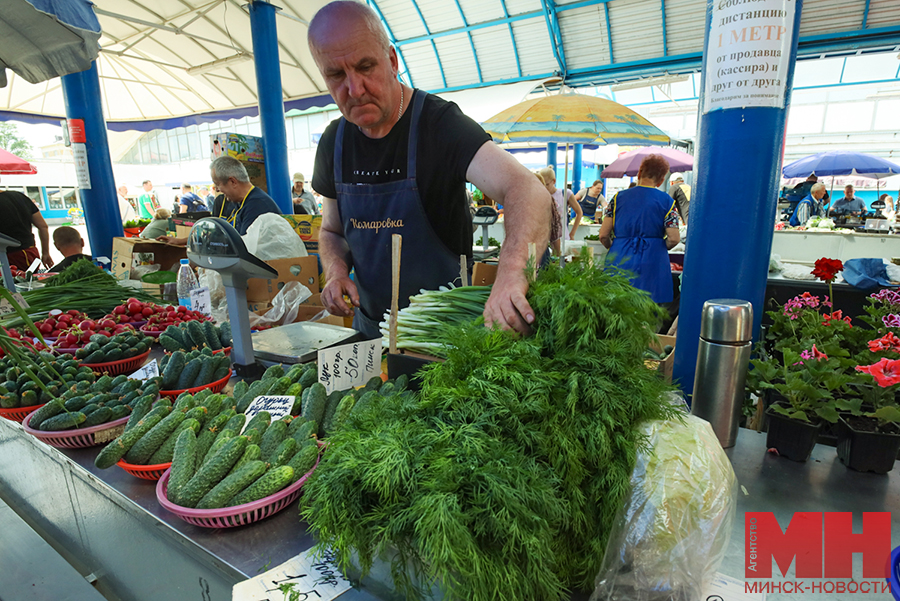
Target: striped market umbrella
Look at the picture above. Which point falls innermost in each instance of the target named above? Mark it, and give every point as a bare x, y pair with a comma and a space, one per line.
574, 119
629, 163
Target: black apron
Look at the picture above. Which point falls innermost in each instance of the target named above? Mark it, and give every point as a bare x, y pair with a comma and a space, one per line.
370, 214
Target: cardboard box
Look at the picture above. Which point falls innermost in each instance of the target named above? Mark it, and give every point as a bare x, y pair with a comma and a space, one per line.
665, 366
128, 253
247, 149
301, 269
307, 227
484, 274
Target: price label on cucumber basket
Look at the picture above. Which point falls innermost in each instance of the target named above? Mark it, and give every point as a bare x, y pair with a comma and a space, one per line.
349, 365
151, 370
200, 300
277, 405
308, 576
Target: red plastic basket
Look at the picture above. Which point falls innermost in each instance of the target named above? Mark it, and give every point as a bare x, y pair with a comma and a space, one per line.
226, 350
17, 414
145, 472
77, 438
239, 515
122, 366
217, 386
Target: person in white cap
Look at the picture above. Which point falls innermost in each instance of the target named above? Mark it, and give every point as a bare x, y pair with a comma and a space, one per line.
681, 193
304, 201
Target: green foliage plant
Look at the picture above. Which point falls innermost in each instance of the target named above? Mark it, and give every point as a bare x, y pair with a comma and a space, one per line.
501, 479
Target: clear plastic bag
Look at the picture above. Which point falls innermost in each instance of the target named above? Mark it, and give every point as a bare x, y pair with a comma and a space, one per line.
284, 306
271, 237
672, 533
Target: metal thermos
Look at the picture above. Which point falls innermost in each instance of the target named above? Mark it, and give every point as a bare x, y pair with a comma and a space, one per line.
726, 330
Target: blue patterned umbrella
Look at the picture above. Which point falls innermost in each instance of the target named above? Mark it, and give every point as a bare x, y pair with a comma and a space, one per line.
841, 162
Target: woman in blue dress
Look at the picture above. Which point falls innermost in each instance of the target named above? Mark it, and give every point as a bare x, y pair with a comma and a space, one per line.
640, 225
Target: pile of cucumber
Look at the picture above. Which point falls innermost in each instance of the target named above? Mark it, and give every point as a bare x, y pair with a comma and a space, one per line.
55, 372
151, 432
103, 349
183, 370
92, 402
195, 335
240, 468
339, 405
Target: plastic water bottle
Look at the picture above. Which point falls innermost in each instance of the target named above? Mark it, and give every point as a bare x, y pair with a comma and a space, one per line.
187, 281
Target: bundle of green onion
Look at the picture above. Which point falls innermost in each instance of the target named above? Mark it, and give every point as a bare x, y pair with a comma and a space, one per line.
420, 325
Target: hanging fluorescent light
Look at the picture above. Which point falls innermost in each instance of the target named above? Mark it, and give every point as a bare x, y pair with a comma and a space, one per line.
650, 81
220, 63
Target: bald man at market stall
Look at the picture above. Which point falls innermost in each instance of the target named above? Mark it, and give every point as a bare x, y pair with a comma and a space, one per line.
397, 163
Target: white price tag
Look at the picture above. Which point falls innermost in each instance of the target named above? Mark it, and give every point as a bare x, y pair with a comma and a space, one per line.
726, 588
7, 307
312, 577
82, 171
200, 300
277, 406
151, 370
349, 365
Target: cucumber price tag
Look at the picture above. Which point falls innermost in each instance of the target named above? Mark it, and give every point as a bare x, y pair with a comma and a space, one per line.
151, 370
307, 575
277, 405
349, 365
200, 300
7, 307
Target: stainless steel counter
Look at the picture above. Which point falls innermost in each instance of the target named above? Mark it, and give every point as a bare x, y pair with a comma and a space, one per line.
108, 523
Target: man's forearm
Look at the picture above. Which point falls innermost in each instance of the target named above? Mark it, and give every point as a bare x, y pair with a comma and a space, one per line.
525, 220
44, 235
336, 258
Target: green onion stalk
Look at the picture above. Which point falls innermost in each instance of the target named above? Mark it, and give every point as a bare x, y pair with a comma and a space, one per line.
430, 312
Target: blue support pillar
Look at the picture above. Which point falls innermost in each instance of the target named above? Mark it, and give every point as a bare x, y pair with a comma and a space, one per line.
551, 154
729, 243
81, 94
576, 168
271, 102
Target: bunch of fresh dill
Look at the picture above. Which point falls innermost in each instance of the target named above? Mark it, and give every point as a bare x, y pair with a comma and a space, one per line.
502, 478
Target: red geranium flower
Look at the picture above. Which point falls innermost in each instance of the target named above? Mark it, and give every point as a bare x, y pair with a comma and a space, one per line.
885, 372
888, 342
827, 269
817, 354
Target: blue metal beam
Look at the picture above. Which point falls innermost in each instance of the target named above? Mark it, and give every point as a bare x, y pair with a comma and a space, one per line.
556, 41
437, 55
662, 10
608, 33
393, 40
865, 15
462, 16
483, 25
512, 37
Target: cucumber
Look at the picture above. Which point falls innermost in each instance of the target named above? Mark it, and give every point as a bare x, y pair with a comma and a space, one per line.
184, 402
9, 401
316, 403
184, 464
100, 416
198, 413
401, 382
281, 386
213, 403
114, 355
272, 438
343, 411
236, 422
274, 371
304, 460
202, 396
221, 372
49, 410
103, 384
119, 412
175, 333
268, 484
256, 389
144, 448
196, 332
63, 421
93, 359
233, 484
285, 451
334, 400
217, 444
204, 375
225, 334
187, 377
209, 433
165, 453
78, 403
173, 370
386, 389
240, 389
305, 432
212, 472
115, 450
169, 343
260, 421
212, 336
254, 435
308, 378
331, 414
295, 424
251, 453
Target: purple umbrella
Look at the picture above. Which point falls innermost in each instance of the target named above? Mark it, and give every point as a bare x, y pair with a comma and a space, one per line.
629, 162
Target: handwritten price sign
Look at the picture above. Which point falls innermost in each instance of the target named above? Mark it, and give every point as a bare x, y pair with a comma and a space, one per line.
312, 577
151, 370
349, 365
200, 300
277, 405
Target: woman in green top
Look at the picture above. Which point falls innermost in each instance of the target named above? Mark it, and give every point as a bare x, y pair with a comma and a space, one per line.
159, 226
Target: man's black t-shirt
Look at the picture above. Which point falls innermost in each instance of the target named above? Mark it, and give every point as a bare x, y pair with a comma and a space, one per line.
17, 209
448, 140
67, 262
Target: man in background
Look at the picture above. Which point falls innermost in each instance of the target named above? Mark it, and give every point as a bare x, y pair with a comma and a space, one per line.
69, 242
681, 194
126, 210
190, 202
304, 201
208, 198
19, 214
148, 202
850, 204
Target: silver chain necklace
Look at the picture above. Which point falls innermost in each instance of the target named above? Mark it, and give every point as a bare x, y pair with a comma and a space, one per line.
400, 112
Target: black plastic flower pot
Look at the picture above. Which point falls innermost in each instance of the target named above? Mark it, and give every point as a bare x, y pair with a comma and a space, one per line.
793, 439
866, 451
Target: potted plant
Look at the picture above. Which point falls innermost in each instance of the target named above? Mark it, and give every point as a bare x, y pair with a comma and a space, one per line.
132, 229
869, 431
804, 389
883, 311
